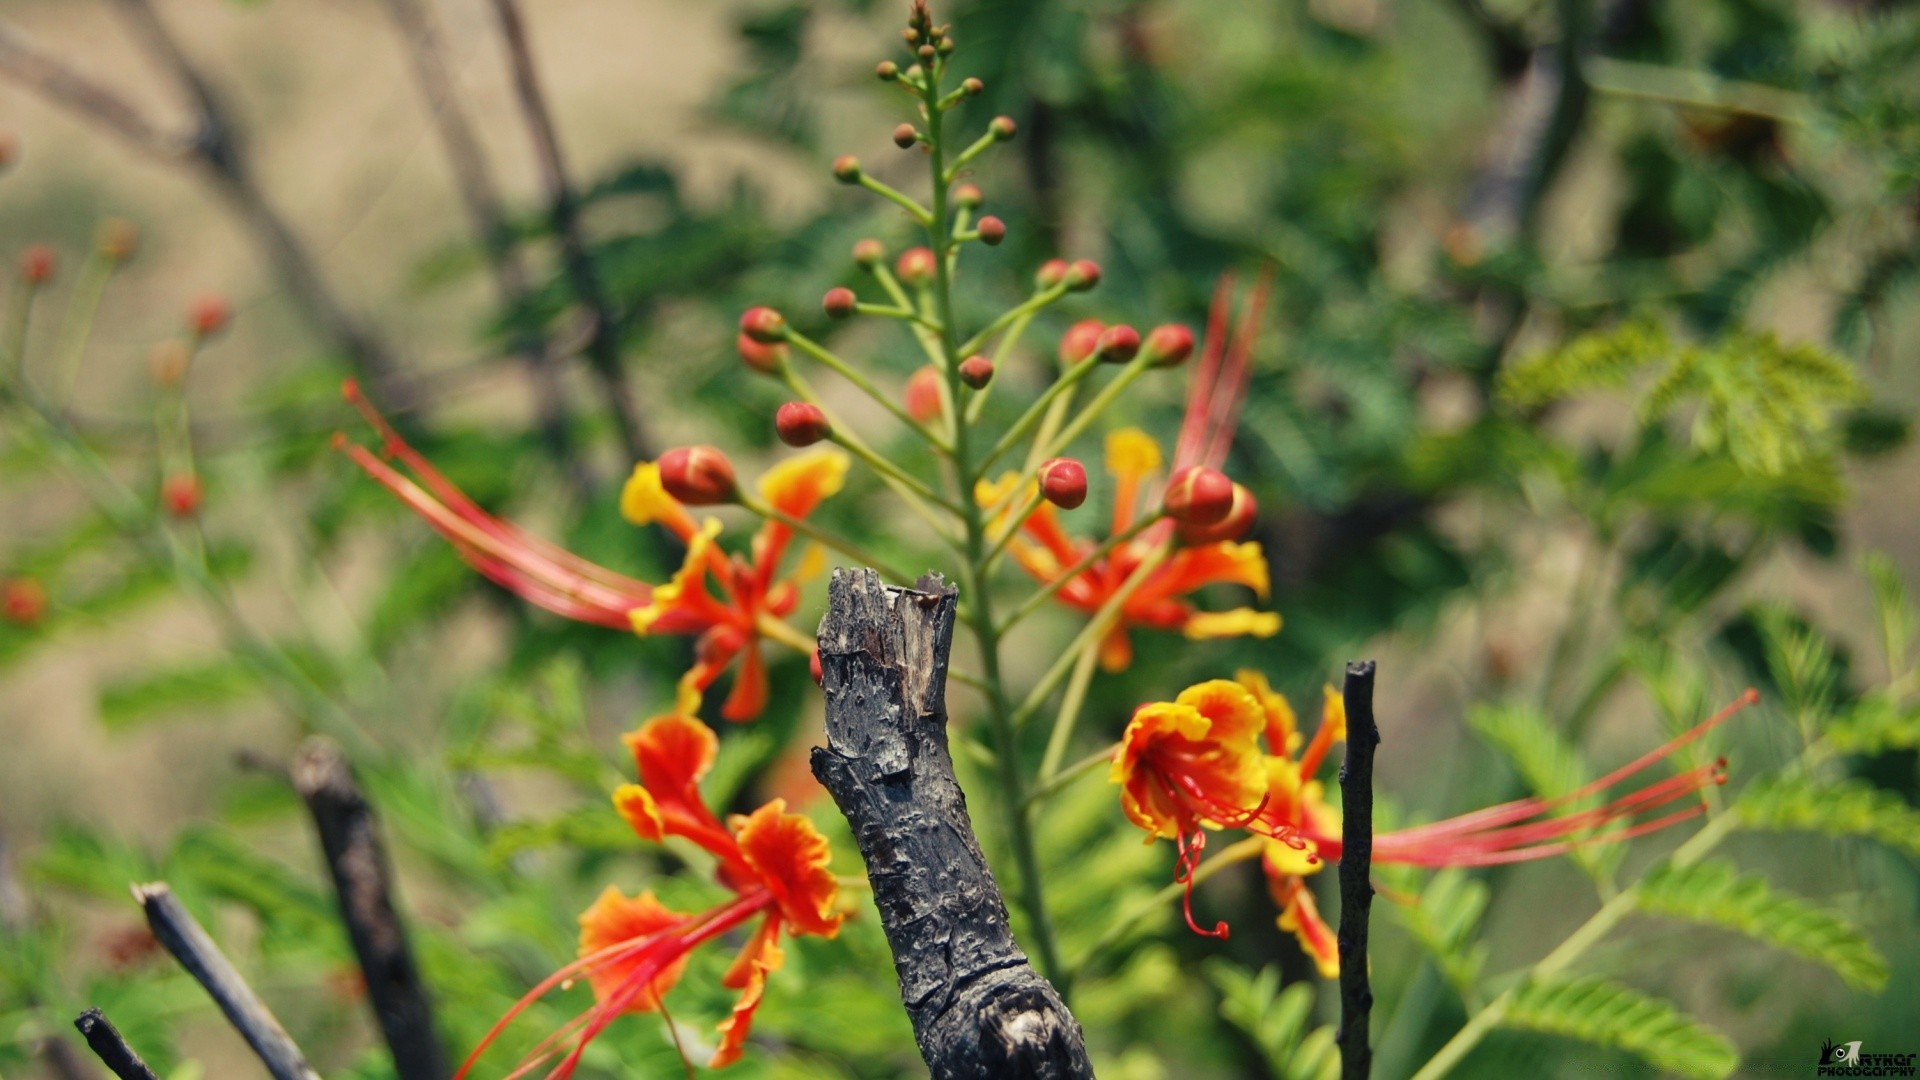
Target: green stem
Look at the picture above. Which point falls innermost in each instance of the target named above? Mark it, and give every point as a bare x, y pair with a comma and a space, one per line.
1040, 597
1061, 780
1035, 412
77, 324
812, 532
905, 202
848, 372
1026, 309
845, 436
1096, 626
1069, 714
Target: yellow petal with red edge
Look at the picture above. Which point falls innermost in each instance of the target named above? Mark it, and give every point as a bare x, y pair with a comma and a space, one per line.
644, 501
1283, 725
672, 751
748, 974
636, 804
1300, 916
1234, 716
1333, 713
797, 485
615, 920
1132, 454
791, 858
684, 594
1223, 562
1240, 622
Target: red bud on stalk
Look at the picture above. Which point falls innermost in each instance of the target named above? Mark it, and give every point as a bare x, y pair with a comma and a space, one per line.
1063, 482
1197, 495
181, 494
976, 371
23, 601
1119, 344
839, 302
1003, 128
208, 315
1084, 274
1051, 273
764, 325
761, 357
801, 423
697, 475
37, 264
1169, 345
968, 196
887, 71
915, 267
923, 395
846, 169
868, 253
906, 136
972, 86
1080, 341
992, 230
1237, 523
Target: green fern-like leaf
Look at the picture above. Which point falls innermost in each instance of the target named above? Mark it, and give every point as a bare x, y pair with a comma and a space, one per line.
1277, 1021
1767, 405
1716, 892
1444, 922
1846, 808
1607, 1014
1550, 766
1895, 611
1874, 725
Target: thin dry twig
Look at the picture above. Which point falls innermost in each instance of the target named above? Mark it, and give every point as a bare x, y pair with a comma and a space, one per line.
1356, 881
111, 1047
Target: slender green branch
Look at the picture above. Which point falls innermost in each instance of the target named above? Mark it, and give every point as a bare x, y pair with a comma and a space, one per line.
1096, 627
904, 314
920, 213
813, 532
1033, 603
1047, 789
980, 146
1070, 705
845, 436
1035, 412
851, 374
1020, 313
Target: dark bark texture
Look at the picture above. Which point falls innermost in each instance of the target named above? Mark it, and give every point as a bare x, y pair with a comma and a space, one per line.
357, 861
111, 1047
1356, 879
979, 1010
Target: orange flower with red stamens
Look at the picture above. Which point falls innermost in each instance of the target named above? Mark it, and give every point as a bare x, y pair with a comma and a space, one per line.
1178, 772
633, 950
1046, 551
749, 603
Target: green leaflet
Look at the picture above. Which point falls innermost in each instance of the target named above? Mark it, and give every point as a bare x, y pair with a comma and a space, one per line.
1846, 808
1276, 1020
1595, 1010
1716, 892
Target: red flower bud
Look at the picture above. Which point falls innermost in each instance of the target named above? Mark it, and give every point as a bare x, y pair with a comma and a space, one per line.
1119, 344
1063, 482
800, 423
697, 475
887, 71
846, 169
1237, 523
1169, 345
1051, 273
839, 302
976, 371
760, 356
208, 315
923, 395
972, 86
915, 267
906, 136
1003, 128
763, 324
1080, 341
1084, 274
869, 252
968, 196
37, 264
23, 602
1197, 495
926, 53
181, 494
992, 230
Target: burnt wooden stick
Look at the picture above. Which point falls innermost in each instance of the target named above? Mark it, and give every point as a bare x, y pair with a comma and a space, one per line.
183, 936
979, 1010
362, 880
111, 1047
1356, 860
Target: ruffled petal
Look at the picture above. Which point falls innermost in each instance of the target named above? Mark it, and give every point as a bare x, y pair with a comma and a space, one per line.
1283, 725
1240, 622
791, 857
800, 483
748, 974
683, 605
615, 920
644, 501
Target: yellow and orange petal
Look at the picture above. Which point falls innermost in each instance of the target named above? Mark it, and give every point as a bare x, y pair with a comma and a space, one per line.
791, 858
800, 483
637, 806
1132, 454
1300, 916
683, 603
672, 751
1204, 740
1223, 562
1240, 622
644, 501
748, 974
1283, 725
1333, 713
616, 920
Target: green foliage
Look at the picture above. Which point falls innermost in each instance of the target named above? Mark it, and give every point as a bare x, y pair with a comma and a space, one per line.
1768, 405
1875, 724
1842, 808
1445, 920
1277, 1021
1716, 892
199, 684
1598, 1011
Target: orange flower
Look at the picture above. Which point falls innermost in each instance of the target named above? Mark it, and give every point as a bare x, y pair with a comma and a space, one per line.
633, 950
749, 604
746, 602
1046, 551
1180, 771
1194, 764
